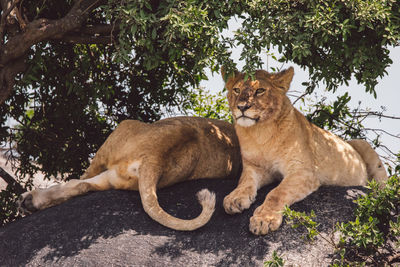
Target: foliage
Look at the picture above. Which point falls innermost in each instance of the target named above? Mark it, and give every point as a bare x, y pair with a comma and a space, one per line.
376, 222
8, 209
206, 105
276, 261
334, 39
183, 36
371, 237
73, 95
296, 219
336, 117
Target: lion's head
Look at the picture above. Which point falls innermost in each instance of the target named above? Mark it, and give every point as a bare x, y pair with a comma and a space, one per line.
257, 100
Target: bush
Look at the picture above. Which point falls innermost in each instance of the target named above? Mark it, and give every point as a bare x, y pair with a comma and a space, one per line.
375, 230
372, 237
276, 261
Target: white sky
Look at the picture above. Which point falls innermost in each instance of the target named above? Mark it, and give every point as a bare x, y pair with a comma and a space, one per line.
388, 92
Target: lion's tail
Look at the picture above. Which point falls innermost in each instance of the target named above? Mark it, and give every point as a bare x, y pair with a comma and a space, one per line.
153, 209
375, 168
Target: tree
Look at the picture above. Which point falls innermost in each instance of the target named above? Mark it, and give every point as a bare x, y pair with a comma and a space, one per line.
333, 39
92, 71
71, 70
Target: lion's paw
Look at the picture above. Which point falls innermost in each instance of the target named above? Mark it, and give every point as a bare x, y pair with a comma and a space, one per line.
261, 224
236, 202
25, 203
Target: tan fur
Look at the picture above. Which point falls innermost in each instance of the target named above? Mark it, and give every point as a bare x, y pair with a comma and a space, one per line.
275, 138
144, 157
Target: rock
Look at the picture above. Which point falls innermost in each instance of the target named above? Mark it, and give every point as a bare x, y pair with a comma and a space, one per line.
111, 228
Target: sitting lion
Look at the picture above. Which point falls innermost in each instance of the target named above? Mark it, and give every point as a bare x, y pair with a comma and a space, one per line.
144, 157
275, 138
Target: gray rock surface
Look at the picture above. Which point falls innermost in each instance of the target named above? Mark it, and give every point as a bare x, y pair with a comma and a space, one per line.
111, 229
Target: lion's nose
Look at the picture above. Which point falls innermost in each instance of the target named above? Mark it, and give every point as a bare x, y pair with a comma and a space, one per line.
243, 107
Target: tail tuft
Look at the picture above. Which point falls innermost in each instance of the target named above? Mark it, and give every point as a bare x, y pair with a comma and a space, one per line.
206, 199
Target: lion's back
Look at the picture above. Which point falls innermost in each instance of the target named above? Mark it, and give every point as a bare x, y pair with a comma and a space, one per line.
337, 162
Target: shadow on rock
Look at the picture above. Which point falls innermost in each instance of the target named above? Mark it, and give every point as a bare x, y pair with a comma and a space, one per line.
110, 227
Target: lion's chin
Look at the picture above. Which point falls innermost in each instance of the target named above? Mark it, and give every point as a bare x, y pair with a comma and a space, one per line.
245, 122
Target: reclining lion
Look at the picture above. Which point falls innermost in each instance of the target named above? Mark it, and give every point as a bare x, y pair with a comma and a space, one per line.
276, 138
144, 157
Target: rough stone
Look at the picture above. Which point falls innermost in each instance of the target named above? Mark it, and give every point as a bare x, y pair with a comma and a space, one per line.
111, 229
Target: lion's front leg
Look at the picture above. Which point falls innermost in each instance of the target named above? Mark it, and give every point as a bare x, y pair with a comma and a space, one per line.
245, 193
293, 188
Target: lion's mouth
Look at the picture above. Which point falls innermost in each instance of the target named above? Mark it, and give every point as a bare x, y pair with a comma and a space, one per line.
246, 117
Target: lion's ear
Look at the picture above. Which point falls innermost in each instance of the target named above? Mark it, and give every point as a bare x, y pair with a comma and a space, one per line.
228, 76
284, 78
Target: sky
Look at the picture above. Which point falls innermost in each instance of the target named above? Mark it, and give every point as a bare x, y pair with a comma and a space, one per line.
388, 92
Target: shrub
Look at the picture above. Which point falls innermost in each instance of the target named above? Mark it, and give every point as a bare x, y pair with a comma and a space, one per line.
372, 237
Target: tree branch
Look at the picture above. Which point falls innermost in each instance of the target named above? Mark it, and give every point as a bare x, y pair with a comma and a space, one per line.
37, 31
100, 29
84, 39
383, 131
92, 34
11, 181
4, 16
376, 114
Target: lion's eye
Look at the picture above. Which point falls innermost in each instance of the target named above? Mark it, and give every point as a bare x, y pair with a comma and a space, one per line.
260, 91
236, 90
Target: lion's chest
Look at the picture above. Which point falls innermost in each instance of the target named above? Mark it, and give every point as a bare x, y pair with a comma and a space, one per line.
260, 155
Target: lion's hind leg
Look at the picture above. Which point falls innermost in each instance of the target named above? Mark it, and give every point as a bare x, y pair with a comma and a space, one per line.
375, 168
44, 198
94, 169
